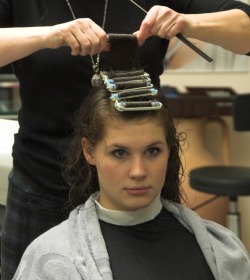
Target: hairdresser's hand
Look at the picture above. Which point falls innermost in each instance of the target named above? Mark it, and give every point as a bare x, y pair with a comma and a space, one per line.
216, 28
162, 22
83, 36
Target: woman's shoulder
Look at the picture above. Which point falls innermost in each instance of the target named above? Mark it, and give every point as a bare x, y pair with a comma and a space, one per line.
53, 238
57, 239
199, 226
49, 254
53, 241
223, 250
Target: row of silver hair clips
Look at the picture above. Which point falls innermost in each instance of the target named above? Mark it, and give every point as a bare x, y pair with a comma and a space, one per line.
124, 86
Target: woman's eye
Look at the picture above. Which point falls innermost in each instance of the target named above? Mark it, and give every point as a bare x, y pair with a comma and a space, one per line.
119, 153
153, 151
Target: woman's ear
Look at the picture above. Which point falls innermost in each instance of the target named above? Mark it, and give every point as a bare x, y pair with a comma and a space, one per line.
88, 151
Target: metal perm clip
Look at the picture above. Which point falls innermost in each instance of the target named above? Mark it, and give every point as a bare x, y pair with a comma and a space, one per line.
132, 93
137, 105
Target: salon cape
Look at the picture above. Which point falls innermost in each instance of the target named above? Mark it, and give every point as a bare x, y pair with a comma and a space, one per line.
75, 249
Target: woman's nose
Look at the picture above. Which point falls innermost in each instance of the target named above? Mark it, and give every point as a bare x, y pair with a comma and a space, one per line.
137, 169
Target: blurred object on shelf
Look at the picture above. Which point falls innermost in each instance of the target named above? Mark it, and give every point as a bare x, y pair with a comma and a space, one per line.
200, 101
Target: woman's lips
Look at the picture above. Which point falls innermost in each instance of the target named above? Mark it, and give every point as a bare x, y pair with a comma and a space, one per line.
137, 190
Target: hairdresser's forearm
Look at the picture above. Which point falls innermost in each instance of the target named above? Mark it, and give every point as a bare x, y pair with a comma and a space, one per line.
83, 36
17, 43
230, 30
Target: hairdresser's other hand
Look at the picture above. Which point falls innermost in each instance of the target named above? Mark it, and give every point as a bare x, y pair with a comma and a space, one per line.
83, 36
162, 22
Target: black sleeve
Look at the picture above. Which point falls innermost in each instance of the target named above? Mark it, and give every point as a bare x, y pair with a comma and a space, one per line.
229, 5
5, 13
205, 6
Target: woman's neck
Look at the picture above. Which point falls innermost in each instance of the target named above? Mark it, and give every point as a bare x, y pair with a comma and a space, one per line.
129, 218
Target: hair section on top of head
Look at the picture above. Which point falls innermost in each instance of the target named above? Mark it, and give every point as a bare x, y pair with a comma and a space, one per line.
124, 52
129, 86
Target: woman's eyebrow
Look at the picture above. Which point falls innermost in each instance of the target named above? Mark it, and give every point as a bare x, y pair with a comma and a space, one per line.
121, 146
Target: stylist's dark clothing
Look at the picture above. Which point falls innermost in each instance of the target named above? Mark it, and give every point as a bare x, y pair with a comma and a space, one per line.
52, 85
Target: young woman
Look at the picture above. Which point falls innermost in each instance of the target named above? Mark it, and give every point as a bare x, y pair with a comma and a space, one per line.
125, 172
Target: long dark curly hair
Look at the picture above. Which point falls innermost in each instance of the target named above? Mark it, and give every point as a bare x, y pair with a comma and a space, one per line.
90, 122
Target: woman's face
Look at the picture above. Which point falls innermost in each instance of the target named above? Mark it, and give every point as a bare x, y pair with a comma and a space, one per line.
131, 163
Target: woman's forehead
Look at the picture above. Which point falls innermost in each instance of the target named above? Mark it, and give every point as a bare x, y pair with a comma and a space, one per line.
134, 128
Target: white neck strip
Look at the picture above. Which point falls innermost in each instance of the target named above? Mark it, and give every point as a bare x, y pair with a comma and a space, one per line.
129, 218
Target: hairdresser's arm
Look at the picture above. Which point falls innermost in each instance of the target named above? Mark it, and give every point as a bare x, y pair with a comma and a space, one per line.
228, 29
83, 36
